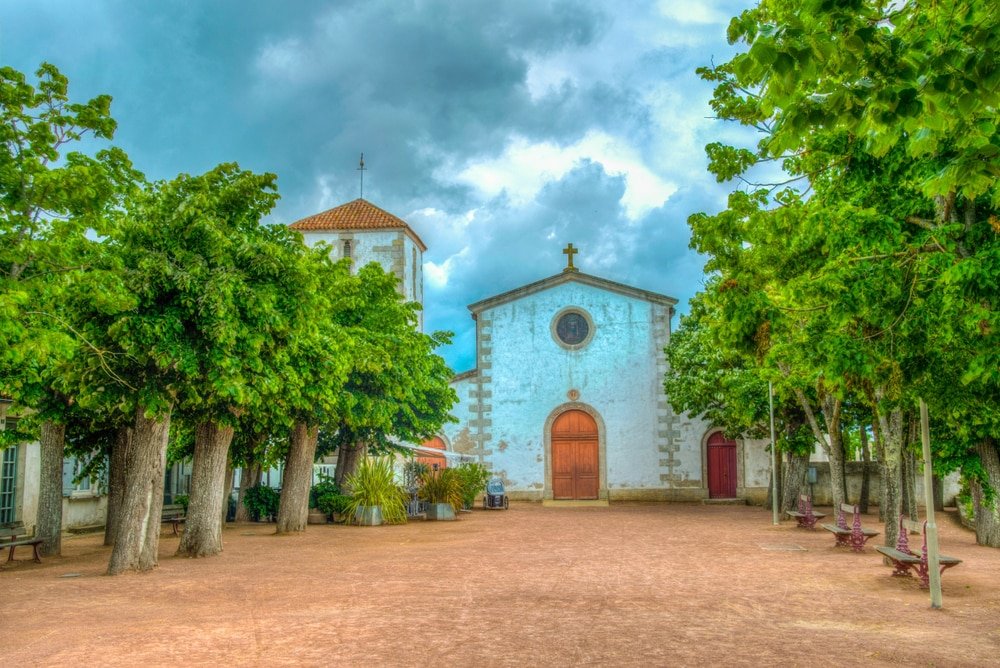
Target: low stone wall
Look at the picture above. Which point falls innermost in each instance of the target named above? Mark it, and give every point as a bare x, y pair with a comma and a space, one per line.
821, 492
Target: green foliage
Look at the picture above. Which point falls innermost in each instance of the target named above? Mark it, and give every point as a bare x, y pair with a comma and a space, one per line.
472, 477
706, 377
332, 503
326, 485
374, 484
865, 273
184, 500
54, 202
326, 496
413, 473
443, 486
262, 502
798, 440
398, 387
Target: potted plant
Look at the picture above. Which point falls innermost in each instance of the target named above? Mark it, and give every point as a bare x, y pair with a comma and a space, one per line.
322, 489
473, 477
443, 492
375, 496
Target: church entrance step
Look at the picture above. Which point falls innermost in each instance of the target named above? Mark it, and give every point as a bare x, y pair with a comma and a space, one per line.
593, 503
724, 502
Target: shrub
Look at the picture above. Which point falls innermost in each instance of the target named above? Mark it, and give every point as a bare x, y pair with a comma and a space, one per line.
473, 477
374, 484
443, 486
325, 486
262, 502
333, 503
184, 500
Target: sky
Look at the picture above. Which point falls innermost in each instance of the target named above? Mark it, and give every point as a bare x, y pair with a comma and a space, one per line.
500, 131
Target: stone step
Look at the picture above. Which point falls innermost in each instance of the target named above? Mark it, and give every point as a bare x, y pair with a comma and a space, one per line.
594, 503
724, 502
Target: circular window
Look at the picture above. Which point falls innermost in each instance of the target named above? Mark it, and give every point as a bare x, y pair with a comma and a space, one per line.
572, 328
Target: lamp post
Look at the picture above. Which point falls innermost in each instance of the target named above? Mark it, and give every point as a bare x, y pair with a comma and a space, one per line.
933, 565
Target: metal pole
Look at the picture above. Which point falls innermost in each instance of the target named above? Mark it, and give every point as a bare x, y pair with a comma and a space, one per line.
774, 456
932, 536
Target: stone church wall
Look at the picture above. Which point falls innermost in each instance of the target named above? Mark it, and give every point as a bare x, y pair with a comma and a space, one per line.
525, 377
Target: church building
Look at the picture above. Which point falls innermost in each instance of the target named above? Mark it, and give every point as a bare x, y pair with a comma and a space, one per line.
566, 400
364, 233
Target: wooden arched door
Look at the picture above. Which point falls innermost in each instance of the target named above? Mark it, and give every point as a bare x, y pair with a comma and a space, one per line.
721, 467
575, 465
433, 461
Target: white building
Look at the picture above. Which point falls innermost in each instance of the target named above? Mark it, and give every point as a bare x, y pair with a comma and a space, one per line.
364, 233
567, 401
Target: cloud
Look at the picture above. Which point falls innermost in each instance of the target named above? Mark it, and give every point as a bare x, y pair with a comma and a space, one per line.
499, 131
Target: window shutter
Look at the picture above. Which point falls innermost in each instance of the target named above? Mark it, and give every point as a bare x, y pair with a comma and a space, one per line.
69, 464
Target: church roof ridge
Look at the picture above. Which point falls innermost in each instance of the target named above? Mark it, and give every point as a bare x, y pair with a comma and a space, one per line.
358, 214
566, 277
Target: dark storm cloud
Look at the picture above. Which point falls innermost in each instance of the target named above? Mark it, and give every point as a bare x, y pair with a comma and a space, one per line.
501, 131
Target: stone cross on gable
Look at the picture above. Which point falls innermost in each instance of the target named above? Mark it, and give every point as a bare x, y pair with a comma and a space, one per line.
569, 252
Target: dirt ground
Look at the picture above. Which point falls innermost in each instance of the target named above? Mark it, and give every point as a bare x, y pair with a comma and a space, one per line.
649, 585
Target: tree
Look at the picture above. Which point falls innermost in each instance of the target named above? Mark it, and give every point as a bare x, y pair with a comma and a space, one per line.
403, 392
707, 376
49, 200
888, 111
316, 365
394, 387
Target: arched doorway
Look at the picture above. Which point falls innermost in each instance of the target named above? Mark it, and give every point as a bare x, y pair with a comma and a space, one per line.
433, 461
575, 462
721, 460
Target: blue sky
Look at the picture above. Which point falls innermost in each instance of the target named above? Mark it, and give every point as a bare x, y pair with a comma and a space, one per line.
501, 131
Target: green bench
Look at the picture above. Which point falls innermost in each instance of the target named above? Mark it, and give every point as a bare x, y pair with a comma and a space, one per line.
14, 535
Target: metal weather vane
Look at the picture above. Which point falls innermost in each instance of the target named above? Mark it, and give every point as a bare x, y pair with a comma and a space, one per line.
362, 169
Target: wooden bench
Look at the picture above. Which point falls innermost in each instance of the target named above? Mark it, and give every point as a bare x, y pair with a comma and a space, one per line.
804, 516
852, 535
903, 558
13, 535
174, 517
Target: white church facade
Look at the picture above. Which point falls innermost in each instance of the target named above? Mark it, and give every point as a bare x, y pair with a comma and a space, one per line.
566, 400
567, 403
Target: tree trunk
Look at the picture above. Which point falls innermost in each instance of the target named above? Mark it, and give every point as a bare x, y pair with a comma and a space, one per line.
880, 456
347, 460
938, 485
227, 495
293, 509
116, 483
908, 482
866, 464
250, 477
50, 499
768, 502
831, 412
891, 434
203, 528
138, 538
795, 473
987, 512
837, 468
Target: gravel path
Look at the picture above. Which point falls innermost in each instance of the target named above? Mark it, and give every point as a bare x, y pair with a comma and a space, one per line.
642, 585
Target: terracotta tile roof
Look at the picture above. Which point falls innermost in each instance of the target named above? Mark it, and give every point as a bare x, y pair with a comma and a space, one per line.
357, 215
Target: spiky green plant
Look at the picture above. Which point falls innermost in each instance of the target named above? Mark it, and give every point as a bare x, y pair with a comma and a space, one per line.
443, 486
473, 476
373, 483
